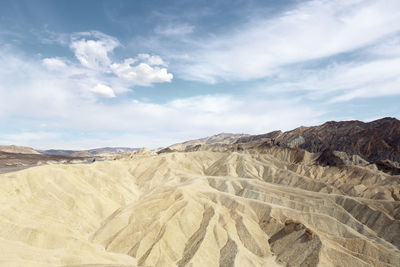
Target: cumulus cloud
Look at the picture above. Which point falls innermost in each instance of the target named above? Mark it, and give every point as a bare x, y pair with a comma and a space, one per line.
103, 90
94, 75
152, 60
92, 49
143, 73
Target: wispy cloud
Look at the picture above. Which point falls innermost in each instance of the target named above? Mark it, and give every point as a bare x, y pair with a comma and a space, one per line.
54, 63
332, 51
311, 30
174, 29
92, 49
340, 81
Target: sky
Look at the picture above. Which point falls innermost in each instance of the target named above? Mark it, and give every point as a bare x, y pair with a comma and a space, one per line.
84, 74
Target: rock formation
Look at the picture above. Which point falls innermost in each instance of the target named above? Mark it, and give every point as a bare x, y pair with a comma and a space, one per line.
221, 205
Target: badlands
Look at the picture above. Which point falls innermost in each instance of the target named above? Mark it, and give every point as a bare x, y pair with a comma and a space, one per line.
204, 205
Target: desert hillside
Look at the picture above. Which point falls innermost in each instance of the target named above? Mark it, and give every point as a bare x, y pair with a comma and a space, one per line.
18, 149
261, 205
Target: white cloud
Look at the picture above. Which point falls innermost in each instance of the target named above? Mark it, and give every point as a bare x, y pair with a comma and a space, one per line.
311, 30
54, 63
24, 138
152, 60
141, 74
389, 47
94, 76
210, 104
174, 29
384, 88
195, 116
103, 90
340, 82
92, 49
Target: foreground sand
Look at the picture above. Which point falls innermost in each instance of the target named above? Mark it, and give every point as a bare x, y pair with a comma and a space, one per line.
254, 208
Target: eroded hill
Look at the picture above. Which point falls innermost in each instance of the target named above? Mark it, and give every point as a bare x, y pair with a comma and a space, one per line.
227, 205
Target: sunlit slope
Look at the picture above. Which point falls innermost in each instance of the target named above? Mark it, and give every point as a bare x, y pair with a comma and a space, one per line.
264, 207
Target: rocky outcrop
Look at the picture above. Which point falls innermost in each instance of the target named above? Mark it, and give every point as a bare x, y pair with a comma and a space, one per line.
376, 140
388, 166
373, 141
218, 139
261, 138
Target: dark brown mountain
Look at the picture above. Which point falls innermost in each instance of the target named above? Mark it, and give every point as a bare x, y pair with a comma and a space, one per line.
376, 140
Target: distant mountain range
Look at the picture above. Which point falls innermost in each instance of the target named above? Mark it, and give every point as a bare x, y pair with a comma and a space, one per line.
95, 151
58, 152
374, 141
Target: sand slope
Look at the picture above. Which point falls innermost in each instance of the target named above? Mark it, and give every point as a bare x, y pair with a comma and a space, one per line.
268, 206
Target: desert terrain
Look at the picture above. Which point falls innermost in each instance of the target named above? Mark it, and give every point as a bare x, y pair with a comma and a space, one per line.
222, 203
244, 133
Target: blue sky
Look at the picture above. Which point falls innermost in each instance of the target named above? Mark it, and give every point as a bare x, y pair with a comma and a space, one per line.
83, 74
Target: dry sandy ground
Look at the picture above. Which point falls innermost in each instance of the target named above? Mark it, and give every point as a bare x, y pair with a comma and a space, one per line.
206, 208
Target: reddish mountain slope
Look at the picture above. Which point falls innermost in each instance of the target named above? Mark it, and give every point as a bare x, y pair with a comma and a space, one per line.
376, 140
